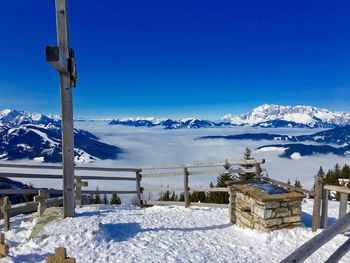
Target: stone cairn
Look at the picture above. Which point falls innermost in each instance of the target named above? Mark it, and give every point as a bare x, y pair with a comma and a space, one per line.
252, 208
60, 257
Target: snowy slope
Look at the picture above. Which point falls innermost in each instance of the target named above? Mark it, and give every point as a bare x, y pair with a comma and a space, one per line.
161, 234
43, 143
270, 115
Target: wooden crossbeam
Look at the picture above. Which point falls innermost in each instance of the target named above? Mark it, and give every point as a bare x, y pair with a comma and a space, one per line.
41, 200
5, 210
4, 248
60, 256
56, 58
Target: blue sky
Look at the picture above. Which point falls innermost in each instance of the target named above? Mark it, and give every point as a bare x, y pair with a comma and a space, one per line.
179, 57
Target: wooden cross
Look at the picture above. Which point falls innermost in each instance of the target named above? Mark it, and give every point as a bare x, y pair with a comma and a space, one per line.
60, 256
41, 200
4, 248
61, 57
5, 210
78, 185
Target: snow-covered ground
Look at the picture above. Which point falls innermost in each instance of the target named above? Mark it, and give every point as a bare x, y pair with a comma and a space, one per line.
161, 234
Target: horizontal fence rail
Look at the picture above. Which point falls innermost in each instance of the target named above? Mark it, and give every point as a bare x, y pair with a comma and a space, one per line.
190, 189
198, 165
57, 176
306, 250
54, 191
156, 202
78, 168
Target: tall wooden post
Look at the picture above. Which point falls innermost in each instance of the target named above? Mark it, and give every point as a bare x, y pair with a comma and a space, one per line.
317, 204
138, 189
186, 193
343, 204
324, 210
61, 58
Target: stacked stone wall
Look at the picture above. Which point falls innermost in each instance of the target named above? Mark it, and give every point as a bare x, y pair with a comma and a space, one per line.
265, 216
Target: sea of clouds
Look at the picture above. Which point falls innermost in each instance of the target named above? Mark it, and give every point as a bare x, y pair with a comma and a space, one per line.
156, 146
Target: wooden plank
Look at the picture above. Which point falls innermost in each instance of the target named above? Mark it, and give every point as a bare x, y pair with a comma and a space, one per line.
207, 164
339, 253
307, 249
210, 205
210, 189
186, 188
343, 205
340, 189
317, 204
5, 208
162, 174
57, 176
59, 167
108, 192
138, 189
163, 189
30, 207
155, 202
324, 209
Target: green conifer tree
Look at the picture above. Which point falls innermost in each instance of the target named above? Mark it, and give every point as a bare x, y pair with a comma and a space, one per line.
115, 200
247, 156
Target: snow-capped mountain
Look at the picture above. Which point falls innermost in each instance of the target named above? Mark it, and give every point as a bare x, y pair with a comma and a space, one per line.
270, 115
43, 143
168, 123
13, 118
336, 141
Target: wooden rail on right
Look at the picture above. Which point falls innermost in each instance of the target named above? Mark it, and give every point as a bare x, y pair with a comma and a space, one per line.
321, 198
307, 249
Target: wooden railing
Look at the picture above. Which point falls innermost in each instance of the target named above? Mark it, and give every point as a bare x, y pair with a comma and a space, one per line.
320, 208
187, 170
307, 249
12, 172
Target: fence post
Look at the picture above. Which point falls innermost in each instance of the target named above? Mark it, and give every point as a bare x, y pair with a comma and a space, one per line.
186, 194
317, 204
5, 210
343, 204
139, 189
78, 185
258, 170
324, 211
41, 200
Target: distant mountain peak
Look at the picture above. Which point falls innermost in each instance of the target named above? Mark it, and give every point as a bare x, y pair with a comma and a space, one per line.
267, 115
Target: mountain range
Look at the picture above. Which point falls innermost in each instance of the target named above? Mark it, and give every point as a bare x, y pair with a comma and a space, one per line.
336, 141
265, 116
36, 136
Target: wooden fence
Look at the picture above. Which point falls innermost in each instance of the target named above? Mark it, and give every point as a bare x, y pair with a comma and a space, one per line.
320, 208
307, 249
188, 170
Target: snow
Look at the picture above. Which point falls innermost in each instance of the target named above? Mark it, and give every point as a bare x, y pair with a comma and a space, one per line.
272, 148
307, 115
295, 156
161, 234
